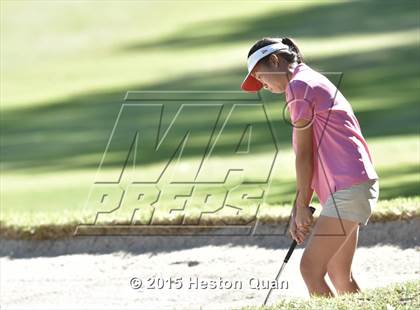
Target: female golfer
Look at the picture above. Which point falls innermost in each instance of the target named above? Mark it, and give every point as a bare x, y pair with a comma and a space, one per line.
332, 159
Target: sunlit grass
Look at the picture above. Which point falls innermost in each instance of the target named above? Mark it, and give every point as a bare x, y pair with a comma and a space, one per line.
51, 197
82, 53
349, 45
395, 296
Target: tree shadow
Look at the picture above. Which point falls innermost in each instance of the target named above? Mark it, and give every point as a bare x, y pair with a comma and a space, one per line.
405, 188
73, 133
321, 21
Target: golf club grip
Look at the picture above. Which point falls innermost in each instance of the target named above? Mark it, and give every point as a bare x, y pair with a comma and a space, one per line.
294, 243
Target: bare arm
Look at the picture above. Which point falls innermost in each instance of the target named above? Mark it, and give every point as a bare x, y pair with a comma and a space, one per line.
303, 164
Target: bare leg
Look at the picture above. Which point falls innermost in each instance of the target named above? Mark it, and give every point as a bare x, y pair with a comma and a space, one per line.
326, 240
339, 267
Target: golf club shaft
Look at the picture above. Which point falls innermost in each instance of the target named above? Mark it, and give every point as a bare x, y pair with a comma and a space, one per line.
286, 259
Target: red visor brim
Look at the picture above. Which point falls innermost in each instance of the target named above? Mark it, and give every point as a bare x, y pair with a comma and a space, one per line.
251, 84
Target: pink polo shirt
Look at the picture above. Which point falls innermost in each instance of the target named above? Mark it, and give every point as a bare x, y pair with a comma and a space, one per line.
341, 154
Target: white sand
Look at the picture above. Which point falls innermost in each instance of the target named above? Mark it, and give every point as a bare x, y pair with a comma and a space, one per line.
42, 275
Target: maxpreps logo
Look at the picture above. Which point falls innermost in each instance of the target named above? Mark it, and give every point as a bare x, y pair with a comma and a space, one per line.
183, 163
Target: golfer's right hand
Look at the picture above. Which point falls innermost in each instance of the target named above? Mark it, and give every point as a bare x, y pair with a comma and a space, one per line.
296, 234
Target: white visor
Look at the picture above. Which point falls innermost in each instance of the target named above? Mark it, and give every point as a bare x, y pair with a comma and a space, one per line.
250, 83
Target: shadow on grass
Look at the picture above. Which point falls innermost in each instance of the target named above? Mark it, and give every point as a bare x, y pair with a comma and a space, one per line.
390, 189
322, 21
73, 134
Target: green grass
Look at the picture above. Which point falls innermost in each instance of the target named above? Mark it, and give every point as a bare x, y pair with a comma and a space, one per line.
60, 197
65, 73
395, 296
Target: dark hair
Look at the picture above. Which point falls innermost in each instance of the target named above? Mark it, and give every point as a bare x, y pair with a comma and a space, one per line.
293, 55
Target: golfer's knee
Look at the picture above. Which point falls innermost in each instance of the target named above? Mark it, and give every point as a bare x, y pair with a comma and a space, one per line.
339, 278
310, 269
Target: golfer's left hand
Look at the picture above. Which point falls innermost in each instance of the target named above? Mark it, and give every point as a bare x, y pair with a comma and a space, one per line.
303, 219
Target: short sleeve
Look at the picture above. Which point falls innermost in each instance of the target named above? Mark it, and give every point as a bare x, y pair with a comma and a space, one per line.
300, 101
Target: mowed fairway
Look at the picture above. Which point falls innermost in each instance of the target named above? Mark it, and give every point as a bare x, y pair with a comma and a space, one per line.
68, 72
66, 67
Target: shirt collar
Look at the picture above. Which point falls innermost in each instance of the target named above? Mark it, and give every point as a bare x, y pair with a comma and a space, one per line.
300, 67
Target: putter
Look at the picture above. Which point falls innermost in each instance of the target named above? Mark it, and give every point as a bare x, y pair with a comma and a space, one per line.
286, 259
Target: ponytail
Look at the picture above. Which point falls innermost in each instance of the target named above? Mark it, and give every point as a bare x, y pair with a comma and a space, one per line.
293, 48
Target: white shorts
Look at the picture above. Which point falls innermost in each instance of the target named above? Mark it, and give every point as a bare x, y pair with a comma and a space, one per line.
355, 203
